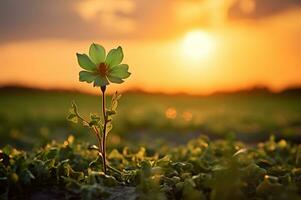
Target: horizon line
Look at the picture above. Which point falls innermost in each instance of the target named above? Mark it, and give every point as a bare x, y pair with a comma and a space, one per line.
137, 90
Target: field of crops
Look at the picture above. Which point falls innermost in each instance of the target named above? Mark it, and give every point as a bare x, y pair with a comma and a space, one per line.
161, 147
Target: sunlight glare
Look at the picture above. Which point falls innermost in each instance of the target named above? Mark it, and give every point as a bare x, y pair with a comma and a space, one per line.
197, 45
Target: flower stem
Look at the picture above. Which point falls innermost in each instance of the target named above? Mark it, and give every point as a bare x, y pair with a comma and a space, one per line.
103, 89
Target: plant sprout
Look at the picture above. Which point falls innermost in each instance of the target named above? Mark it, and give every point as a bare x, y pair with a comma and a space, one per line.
101, 70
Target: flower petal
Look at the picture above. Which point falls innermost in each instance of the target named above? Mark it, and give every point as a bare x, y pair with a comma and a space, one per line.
88, 77
120, 71
115, 79
97, 53
115, 56
101, 81
85, 62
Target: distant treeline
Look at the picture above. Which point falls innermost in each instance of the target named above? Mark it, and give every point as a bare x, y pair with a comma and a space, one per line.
256, 90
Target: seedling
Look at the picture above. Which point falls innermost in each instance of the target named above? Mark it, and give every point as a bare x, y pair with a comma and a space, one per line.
101, 70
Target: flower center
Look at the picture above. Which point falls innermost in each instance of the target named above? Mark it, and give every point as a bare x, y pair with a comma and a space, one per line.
102, 69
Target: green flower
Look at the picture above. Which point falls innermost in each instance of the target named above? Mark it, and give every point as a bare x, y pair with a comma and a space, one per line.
101, 69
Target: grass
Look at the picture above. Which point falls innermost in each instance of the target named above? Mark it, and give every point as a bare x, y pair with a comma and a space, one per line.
155, 149
31, 117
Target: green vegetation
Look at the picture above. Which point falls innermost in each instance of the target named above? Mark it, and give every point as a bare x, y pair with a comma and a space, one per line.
201, 169
151, 153
30, 118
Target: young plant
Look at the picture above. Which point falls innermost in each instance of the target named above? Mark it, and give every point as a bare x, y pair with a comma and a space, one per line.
101, 70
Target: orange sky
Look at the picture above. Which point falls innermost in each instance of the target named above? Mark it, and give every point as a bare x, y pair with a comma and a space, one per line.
229, 54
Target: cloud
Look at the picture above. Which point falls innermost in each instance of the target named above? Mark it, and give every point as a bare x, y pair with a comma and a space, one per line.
78, 19
34, 19
68, 19
259, 9
124, 19
113, 15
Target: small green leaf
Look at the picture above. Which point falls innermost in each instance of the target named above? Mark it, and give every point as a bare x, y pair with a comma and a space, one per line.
116, 96
95, 120
74, 107
115, 57
114, 102
85, 62
95, 117
114, 105
88, 77
109, 127
110, 112
73, 115
97, 53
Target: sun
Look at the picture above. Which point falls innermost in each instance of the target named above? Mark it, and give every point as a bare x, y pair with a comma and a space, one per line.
197, 45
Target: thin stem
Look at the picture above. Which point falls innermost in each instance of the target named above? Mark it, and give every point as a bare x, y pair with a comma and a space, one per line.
114, 169
103, 89
98, 138
95, 131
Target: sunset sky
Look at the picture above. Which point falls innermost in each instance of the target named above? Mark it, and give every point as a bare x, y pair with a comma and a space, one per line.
193, 46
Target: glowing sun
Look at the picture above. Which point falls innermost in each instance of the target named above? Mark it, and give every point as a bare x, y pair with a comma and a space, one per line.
197, 45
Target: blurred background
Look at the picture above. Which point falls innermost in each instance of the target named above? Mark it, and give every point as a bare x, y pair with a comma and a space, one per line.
220, 68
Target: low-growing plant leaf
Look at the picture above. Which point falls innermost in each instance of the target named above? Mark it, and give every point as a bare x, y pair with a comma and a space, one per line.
96, 164
240, 152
